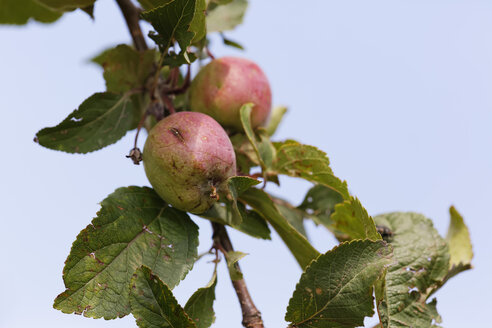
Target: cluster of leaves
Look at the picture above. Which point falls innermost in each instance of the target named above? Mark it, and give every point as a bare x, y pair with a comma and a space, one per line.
128, 259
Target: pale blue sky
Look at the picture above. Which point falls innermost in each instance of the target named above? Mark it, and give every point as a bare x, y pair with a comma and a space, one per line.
398, 93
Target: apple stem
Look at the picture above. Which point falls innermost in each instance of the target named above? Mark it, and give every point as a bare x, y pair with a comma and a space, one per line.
207, 50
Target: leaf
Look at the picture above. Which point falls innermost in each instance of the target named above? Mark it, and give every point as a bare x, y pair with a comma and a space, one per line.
352, 219
307, 162
231, 43
101, 120
263, 147
134, 227
89, 10
293, 215
246, 156
153, 304
198, 21
459, 242
232, 258
252, 223
200, 305
125, 68
226, 17
173, 21
239, 184
335, 290
19, 12
236, 186
66, 5
177, 59
319, 203
275, 119
221, 2
302, 250
151, 4
421, 263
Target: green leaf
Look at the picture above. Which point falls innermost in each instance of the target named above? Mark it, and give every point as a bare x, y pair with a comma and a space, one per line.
221, 2
239, 184
198, 22
101, 120
293, 215
231, 43
236, 186
275, 119
151, 4
336, 289
66, 5
19, 12
459, 242
153, 304
125, 68
233, 258
421, 263
302, 250
226, 17
319, 203
263, 147
89, 10
246, 156
352, 219
175, 21
307, 162
200, 305
134, 227
177, 59
252, 223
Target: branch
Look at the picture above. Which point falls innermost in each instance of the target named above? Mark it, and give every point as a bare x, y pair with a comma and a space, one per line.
132, 18
251, 315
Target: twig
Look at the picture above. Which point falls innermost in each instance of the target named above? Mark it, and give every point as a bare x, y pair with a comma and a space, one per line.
174, 74
185, 86
169, 104
132, 18
251, 315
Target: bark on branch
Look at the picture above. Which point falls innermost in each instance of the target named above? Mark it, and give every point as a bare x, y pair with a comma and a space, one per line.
251, 315
132, 18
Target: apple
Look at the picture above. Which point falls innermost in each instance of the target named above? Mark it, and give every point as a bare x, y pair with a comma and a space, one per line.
187, 158
224, 85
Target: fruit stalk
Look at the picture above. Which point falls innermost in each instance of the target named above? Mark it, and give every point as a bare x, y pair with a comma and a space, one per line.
251, 315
